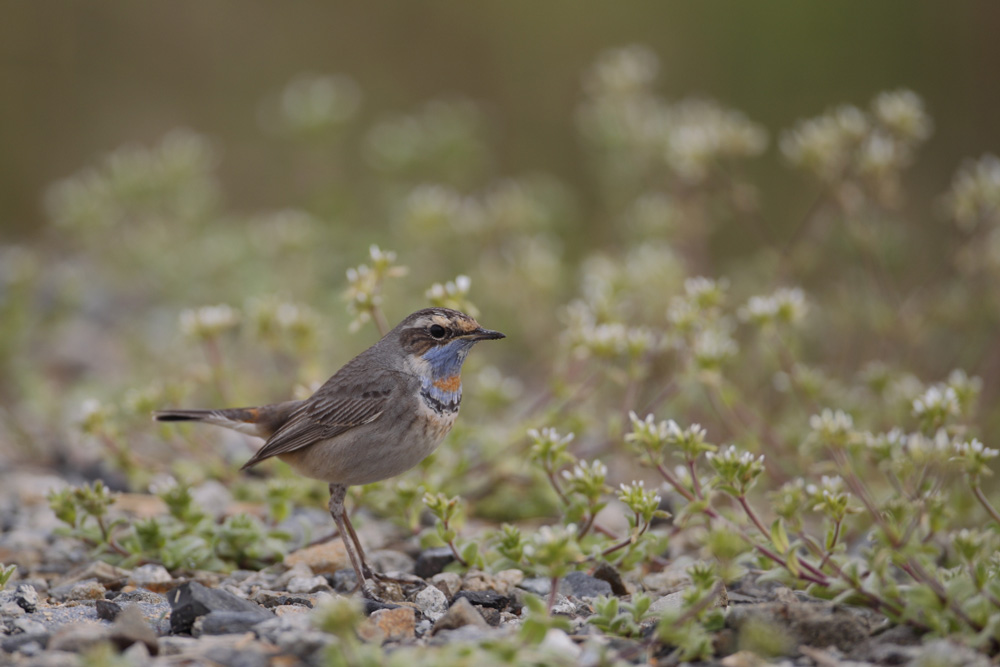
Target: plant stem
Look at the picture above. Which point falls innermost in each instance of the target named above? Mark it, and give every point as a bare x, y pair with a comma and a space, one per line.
985, 502
753, 516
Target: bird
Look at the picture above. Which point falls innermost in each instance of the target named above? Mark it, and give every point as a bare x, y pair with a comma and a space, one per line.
378, 416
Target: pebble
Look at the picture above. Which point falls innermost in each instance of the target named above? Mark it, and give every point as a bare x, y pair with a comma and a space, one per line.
89, 589
325, 558
390, 624
432, 561
226, 622
432, 602
308, 584
151, 577
130, 627
191, 600
582, 585
389, 560
77, 637
449, 583
558, 643
460, 613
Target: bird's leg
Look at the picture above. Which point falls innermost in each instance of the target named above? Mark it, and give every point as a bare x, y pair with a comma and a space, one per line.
350, 539
367, 571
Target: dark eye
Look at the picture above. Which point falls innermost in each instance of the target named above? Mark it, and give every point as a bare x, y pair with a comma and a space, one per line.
437, 331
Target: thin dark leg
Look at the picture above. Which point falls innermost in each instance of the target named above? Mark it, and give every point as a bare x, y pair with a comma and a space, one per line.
357, 544
337, 494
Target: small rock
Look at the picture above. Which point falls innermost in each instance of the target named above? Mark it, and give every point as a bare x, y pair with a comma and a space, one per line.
537, 585
490, 615
343, 581
449, 583
582, 585
557, 642
229, 622
460, 613
287, 609
140, 595
89, 589
508, 580
308, 584
29, 626
18, 643
672, 602
391, 624
151, 577
212, 496
325, 558
130, 627
490, 599
432, 561
26, 597
77, 637
390, 560
11, 610
107, 610
105, 574
432, 602
191, 600
606, 572
272, 599
372, 606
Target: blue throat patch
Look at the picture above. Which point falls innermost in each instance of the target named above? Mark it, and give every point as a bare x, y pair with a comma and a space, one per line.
443, 387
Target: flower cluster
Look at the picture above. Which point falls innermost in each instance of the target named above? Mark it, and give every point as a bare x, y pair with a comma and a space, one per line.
209, 322
783, 307
453, 294
311, 105
848, 145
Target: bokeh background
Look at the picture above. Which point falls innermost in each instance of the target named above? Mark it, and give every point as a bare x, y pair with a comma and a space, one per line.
79, 79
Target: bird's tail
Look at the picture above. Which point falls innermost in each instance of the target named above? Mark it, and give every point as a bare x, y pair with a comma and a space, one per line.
244, 420
261, 422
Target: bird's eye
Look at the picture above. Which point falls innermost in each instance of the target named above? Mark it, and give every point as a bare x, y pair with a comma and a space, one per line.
437, 331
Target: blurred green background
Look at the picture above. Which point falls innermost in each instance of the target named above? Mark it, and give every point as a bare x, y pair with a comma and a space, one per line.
80, 78
576, 185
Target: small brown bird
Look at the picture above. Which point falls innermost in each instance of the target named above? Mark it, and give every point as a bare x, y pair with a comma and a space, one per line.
378, 416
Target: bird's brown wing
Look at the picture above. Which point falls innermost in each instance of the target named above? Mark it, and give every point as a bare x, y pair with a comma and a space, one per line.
331, 411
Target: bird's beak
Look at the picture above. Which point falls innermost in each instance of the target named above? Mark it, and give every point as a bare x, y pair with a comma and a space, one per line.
484, 334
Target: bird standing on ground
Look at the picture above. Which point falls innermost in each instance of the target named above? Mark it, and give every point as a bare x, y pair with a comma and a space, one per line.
378, 416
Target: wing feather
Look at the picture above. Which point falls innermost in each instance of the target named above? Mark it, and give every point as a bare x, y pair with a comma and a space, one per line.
320, 418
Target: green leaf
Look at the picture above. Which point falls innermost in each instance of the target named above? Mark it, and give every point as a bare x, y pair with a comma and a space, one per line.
779, 536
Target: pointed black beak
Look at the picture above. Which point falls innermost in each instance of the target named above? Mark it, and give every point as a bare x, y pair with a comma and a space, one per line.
485, 334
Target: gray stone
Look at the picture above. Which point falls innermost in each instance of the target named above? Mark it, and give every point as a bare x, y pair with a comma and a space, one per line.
78, 637
192, 600
107, 610
308, 584
141, 595
672, 602
537, 585
449, 583
151, 576
432, 602
432, 561
26, 597
130, 627
460, 613
390, 560
88, 589
229, 622
29, 626
582, 585
17, 643
11, 609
